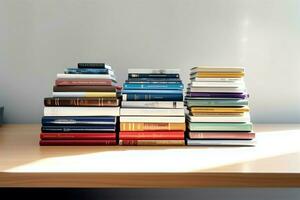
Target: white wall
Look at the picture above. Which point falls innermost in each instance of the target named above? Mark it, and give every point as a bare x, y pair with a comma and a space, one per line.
39, 38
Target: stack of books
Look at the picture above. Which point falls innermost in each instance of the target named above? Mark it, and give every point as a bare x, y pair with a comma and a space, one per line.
218, 112
152, 111
83, 109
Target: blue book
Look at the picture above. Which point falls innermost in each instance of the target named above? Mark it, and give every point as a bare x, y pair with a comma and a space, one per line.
74, 120
136, 75
151, 80
79, 129
153, 97
86, 71
153, 86
151, 91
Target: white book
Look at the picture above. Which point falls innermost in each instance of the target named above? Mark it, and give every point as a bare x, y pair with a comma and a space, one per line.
243, 118
84, 94
153, 71
81, 111
152, 104
217, 69
86, 76
153, 119
223, 90
151, 112
197, 79
217, 84
195, 142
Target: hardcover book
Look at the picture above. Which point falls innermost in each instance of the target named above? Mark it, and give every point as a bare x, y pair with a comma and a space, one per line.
215, 118
219, 95
88, 71
79, 120
148, 126
78, 136
220, 142
152, 104
85, 94
219, 69
147, 92
81, 111
151, 112
222, 135
152, 97
75, 128
153, 71
203, 126
84, 88
152, 142
136, 75
155, 119
83, 102
219, 109
156, 135
151, 80
93, 65
77, 142
153, 86
86, 76
216, 102
82, 81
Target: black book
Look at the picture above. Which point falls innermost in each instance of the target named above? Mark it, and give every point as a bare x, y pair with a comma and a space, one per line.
92, 65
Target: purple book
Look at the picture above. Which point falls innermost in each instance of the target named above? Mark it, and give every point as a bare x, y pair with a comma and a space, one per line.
219, 95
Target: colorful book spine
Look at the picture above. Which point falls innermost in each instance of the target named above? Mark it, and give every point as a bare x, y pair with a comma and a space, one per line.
153, 80
152, 92
86, 71
79, 82
78, 136
137, 75
156, 135
91, 65
77, 142
152, 97
88, 102
152, 142
222, 135
79, 120
153, 86
203, 126
84, 94
84, 88
144, 126
78, 129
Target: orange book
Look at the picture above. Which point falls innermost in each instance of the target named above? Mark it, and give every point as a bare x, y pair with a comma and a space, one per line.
219, 109
141, 126
220, 75
152, 142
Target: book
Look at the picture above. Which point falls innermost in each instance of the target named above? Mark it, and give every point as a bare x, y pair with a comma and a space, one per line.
149, 126
81, 111
151, 111
219, 95
77, 142
82, 81
217, 69
93, 65
88, 71
153, 119
222, 135
153, 86
152, 104
219, 109
220, 79
85, 88
78, 136
147, 92
75, 128
215, 89
152, 142
86, 76
216, 84
136, 75
154, 135
212, 118
152, 97
217, 75
82, 102
203, 126
77, 120
216, 102
153, 71
220, 142
151, 80
85, 94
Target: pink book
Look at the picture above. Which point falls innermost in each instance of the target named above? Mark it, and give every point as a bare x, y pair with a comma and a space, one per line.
222, 135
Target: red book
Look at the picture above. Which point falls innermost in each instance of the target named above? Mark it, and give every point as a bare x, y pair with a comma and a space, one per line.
222, 135
150, 135
63, 81
78, 136
77, 142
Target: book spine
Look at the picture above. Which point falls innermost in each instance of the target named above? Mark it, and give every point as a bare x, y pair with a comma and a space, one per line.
77, 136
141, 126
91, 65
84, 94
77, 142
84, 89
143, 86
77, 129
86, 71
66, 82
81, 102
152, 142
147, 80
151, 135
152, 97
137, 75
220, 135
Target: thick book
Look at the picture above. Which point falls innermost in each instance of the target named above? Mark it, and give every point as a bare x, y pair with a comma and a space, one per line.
93, 65
137, 75
191, 142
215, 89
81, 111
152, 104
152, 97
218, 95
219, 109
77, 142
147, 92
87, 71
215, 118
153, 71
153, 119
77, 120
152, 142
82, 102
218, 69
152, 112
222, 135
86, 76
85, 88
79, 129
149, 126
216, 102
151, 80
80, 82
151, 135
153, 86
78, 136
85, 94
210, 126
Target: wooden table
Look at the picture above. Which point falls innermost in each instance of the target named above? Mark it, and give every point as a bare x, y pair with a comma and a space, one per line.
274, 162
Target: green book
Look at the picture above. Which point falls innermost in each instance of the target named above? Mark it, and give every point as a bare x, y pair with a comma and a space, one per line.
202, 126
216, 102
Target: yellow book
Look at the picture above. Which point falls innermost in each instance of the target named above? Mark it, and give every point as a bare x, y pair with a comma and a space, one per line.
100, 94
219, 75
141, 126
220, 109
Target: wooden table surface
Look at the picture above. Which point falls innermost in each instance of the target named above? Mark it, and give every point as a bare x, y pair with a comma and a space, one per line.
274, 162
